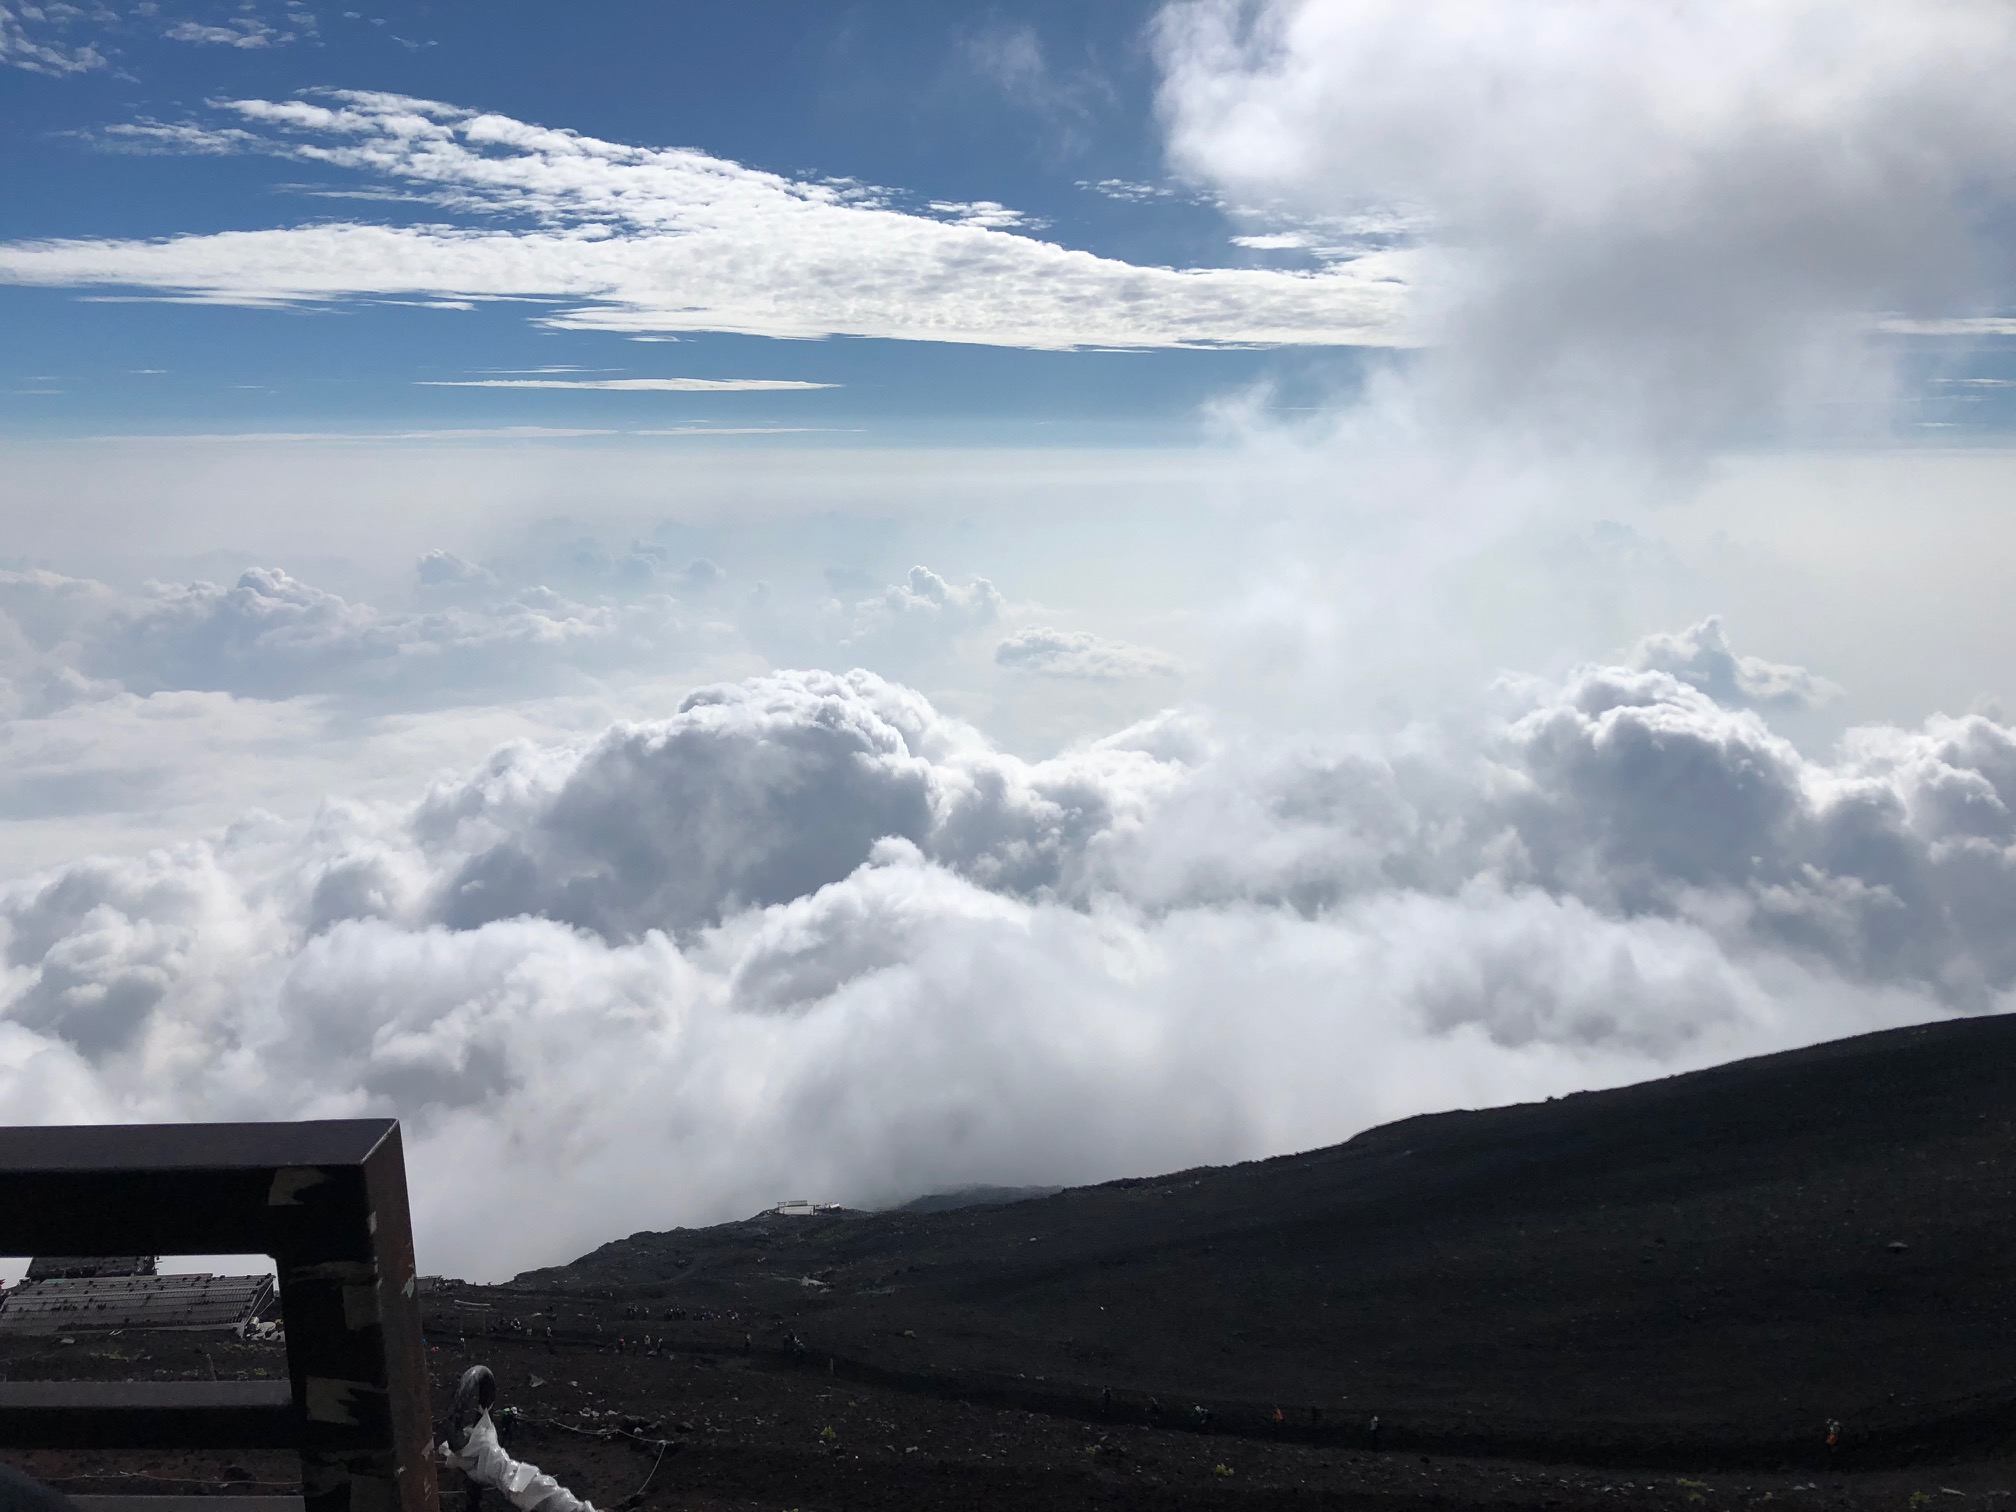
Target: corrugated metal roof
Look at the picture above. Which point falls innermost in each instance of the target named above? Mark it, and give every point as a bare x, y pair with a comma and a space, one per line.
54, 1267
163, 1302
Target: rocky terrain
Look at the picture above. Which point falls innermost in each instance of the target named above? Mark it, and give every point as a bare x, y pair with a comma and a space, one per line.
1661, 1295
1702, 1269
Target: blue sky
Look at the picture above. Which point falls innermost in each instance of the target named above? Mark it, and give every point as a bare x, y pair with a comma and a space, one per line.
119, 127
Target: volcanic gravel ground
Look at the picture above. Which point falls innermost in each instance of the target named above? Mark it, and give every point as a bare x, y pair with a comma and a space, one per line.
743, 1433
1655, 1296
751, 1433
1697, 1271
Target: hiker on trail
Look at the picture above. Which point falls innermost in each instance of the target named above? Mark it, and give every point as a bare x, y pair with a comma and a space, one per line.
1375, 1430
1105, 1401
1833, 1440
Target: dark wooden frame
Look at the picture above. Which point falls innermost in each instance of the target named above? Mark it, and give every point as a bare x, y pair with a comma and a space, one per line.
327, 1201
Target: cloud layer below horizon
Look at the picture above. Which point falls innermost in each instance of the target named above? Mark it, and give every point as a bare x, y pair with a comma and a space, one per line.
808, 932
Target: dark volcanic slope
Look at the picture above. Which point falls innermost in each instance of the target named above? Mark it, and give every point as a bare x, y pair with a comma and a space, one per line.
1713, 1261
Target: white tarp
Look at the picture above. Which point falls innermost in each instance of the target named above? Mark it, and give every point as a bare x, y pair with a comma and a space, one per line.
484, 1461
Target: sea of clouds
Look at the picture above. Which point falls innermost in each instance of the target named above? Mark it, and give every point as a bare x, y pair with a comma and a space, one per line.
805, 932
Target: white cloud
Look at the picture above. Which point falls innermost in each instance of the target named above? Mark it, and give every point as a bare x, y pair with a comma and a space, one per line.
31, 39
1968, 325
463, 433
269, 635
1700, 656
1127, 190
1066, 100
1045, 652
808, 932
242, 32
909, 625
1665, 224
923, 597
665, 240
987, 213
444, 570
240, 26
749, 430
633, 385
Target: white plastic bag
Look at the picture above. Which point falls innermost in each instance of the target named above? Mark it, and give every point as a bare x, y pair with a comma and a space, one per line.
529, 1488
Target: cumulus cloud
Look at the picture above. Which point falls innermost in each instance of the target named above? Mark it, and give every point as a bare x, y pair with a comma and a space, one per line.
763, 793
665, 240
920, 617
1700, 656
1672, 221
809, 932
1046, 652
444, 570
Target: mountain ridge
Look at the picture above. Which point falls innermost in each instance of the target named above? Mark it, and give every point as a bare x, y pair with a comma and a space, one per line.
1736, 1254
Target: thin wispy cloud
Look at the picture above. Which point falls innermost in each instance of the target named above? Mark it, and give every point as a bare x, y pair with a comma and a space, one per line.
750, 430
1042, 651
661, 240
241, 26
1066, 100
633, 385
466, 433
244, 32
1960, 325
1130, 192
33, 40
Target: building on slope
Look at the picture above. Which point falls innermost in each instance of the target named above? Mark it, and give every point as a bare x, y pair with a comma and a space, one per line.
97, 1304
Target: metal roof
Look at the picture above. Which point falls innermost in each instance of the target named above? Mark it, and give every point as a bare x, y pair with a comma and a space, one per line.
54, 1267
156, 1302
